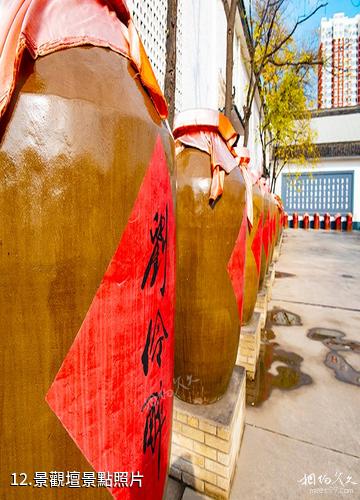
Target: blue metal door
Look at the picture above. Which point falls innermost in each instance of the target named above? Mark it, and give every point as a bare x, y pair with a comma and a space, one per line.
318, 192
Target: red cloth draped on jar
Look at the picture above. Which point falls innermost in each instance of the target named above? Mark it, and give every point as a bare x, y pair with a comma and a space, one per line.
264, 185
244, 164
209, 131
45, 26
279, 203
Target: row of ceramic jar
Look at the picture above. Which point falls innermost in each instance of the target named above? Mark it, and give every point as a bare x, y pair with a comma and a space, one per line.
90, 199
225, 242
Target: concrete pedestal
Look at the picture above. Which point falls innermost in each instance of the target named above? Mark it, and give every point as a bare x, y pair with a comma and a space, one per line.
249, 345
277, 249
276, 253
250, 335
269, 281
206, 440
261, 306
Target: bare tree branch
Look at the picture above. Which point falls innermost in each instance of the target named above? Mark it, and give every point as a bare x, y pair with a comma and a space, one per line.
299, 64
226, 8
297, 24
230, 13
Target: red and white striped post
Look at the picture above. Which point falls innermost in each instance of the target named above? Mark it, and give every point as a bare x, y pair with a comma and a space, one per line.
338, 222
316, 221
327, 221
306, 221
295, 220
285, 220
349, 221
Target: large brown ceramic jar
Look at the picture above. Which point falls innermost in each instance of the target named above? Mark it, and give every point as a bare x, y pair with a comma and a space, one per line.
75, 145
273, 224
253, 255
265, 252
278, 225
210, 259
280, 218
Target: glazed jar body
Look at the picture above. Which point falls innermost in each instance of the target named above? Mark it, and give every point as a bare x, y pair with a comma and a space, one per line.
253, 256
207, 318
279, 225
265, 255
274, 212
75, 145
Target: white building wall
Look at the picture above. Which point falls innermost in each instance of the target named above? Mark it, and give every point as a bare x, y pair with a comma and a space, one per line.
254, 139
241, 77
201, 57
204, 49
335, 128
241, 80
204, 65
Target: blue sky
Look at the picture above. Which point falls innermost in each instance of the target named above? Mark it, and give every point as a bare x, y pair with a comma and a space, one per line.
304, 7
307, 34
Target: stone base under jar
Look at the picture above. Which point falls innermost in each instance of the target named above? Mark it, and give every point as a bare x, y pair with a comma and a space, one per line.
206, 440
249, 344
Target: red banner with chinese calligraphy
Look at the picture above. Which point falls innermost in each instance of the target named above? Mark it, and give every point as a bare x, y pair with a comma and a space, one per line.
236, 265
113, 392
256, 244
266, 234
273, 227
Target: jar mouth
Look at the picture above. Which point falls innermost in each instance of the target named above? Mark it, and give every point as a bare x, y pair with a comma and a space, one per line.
204, 119
109, 26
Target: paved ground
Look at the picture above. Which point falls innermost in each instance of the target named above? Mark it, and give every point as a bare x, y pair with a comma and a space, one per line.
306, 433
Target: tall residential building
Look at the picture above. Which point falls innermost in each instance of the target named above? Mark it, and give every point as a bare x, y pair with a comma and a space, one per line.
339, 77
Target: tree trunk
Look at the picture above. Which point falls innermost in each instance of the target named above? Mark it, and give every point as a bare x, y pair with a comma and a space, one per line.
230, 21
273, 176
246, 129
170, 73
265, 170
272, 185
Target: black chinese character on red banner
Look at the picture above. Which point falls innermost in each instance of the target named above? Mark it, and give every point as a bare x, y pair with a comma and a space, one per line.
156, 335
158, 256
154, 423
